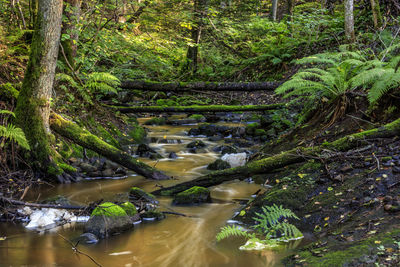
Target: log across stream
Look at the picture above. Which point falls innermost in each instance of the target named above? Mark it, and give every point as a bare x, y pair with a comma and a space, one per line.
175, 241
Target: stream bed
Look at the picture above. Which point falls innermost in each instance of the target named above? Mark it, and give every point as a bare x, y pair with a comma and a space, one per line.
174, 241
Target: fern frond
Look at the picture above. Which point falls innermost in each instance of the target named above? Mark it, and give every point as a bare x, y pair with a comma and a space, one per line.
102, 82
388, 81
14, 134
228, 231
367, 77
62, 77
4, 111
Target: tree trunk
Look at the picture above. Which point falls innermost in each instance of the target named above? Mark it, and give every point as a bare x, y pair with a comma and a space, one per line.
199, 109
286, 158
201, 86
84, 138
376, 14
349, 20
274, 9
193, 49
33, 104
290, 7
72, 12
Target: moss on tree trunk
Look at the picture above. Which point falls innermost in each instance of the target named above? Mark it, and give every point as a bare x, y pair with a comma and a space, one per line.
84, 138
33, 104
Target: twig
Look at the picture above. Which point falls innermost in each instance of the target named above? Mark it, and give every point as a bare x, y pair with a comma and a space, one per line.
76, 250
377, 161
38, 205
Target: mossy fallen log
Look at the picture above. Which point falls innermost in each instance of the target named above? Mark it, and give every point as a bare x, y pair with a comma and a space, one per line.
200, 86
199, 109
84, 138
286, 158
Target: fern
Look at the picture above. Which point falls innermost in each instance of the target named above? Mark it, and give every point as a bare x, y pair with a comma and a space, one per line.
271, 226
102, 82
7, 112
228, 231
14, 134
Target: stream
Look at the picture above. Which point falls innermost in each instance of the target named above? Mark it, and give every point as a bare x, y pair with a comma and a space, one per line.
174, 241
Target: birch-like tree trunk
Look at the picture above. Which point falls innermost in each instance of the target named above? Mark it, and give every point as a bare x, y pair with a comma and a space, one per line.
349, 20
33, 104
274, 9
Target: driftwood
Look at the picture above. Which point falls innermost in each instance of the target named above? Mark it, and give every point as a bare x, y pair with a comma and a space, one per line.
199, 109
84, 138
13, 202
286, 158
201, 86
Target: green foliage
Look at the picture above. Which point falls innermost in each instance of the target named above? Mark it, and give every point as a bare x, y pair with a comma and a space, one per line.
7, 90
9, 132
129, 208
14, 134
234, 230
102, 82
335, 75
271, 225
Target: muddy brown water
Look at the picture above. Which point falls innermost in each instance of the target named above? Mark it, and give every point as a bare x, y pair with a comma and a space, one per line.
174, 241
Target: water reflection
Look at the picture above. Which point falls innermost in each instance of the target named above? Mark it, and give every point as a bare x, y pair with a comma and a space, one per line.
175, 241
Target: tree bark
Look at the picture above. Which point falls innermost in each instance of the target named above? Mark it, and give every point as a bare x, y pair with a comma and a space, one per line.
202, 86
33, 104
84, 138
72, 12
199, 109
193, 49
286, 158
349, 20
274, 9
376, 14
290, 7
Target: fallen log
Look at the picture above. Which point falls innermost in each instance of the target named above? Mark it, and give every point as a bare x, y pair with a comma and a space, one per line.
286, 158
14, 202
199, 109
201, 86
84, 138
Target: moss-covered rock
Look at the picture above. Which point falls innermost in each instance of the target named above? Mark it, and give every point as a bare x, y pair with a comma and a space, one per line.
153, 215
219, 164
109, 209
156, 121
251, 128
108, 219
197, 117
129, 208
137, 194
196, 144
194, 195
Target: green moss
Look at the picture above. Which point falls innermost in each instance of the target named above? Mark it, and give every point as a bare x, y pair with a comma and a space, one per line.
259, 132
129, 208
108, 209
292, 197
251, 128
197, 117
137, 133
343, 254
140, 192
156, 121
195, 194
66, 167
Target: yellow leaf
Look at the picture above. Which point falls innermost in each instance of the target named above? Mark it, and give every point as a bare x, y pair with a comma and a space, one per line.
378, 241
301, 175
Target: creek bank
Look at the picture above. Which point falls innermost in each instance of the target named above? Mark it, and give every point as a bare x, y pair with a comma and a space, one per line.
347, 201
